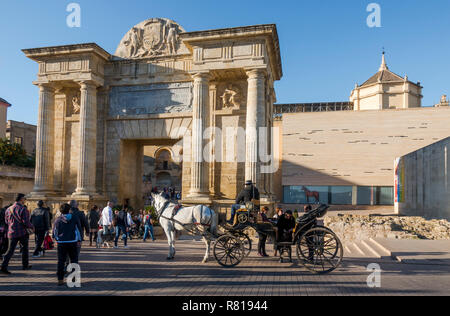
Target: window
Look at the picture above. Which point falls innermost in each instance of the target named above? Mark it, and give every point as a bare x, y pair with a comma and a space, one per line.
384, 196
364, 196
341, 195
18, 140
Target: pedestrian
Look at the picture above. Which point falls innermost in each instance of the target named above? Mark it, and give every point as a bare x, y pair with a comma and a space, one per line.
67, 233
83, 221
131, 224
93, 219
4, 241
40, 218
17, 219
107, 219
122, 227
261, 236
148, 225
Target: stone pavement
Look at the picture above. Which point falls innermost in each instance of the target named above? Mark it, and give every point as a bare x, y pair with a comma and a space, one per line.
143, 270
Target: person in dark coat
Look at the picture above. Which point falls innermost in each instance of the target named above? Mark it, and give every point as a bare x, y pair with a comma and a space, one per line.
122, 227
4, 241
40, 218
93, 219
263, 237
249, 193
83, 221
67, 233
286, 225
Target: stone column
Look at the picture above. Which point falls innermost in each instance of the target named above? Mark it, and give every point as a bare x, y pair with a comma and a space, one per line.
200, 121
88, 140
43, 181
255, 117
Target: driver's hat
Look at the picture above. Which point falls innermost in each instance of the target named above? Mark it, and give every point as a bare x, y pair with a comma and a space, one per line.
248, 182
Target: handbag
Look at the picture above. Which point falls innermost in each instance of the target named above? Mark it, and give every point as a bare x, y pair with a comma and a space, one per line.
48, 242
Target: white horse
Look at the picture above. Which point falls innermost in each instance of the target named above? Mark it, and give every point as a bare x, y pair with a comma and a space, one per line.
200, 220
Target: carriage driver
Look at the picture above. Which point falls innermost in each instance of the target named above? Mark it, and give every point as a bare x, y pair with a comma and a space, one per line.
249, 193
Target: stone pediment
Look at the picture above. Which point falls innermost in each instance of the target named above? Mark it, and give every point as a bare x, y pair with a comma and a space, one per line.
152, 38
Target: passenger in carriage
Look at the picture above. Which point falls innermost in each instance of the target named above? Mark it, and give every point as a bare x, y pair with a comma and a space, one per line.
249, 193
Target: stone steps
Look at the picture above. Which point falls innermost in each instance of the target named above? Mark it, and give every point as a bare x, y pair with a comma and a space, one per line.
366, 249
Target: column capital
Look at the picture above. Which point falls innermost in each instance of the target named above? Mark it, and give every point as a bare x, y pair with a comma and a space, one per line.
88, 84
46, 87
256, 73
203, 75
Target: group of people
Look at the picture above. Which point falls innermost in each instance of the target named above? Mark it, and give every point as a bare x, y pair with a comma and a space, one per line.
69, 230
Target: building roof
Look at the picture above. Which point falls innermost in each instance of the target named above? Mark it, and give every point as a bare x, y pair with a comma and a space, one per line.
4, 102
384, 75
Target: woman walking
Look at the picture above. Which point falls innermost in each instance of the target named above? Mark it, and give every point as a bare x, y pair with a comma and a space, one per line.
93, 219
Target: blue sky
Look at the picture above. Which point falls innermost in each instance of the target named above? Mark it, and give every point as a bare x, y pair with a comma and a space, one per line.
326, 45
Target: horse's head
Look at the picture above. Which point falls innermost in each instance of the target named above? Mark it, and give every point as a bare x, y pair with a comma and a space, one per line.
158, 201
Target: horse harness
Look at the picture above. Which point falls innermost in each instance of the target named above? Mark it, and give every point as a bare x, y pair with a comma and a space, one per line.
175, 212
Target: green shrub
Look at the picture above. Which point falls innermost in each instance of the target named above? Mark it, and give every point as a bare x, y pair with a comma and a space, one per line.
15, 155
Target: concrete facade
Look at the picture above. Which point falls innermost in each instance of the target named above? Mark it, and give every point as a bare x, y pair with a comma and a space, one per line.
423, 182
355, 148
97, 111
23, 134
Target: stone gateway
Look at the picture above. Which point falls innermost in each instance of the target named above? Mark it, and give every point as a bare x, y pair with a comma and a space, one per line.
162, 88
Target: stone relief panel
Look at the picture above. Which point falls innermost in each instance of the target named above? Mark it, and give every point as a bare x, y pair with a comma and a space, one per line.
231, 95
153, 37
151, 99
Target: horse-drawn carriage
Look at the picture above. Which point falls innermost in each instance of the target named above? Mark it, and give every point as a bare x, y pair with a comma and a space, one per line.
318, 248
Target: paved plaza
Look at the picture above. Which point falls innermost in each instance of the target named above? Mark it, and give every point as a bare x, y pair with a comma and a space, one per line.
143, 270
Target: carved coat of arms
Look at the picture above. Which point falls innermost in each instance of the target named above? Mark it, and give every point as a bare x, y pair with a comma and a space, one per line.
150, 38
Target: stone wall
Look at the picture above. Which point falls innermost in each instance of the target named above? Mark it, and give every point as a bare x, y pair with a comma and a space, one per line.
15, 180
352, 228
424, 186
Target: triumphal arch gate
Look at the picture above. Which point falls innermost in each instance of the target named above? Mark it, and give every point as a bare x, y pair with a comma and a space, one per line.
189, 92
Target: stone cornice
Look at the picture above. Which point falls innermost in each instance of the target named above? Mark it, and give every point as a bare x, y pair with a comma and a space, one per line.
39, 54
267, 30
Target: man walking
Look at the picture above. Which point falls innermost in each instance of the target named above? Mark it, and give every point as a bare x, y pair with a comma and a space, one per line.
107, 219
40, 219
67, 234
83, 221
122, 227
18, 221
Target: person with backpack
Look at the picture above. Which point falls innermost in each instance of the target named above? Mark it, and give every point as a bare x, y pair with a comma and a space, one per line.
148, 225
17, 219
40, 219
67, 233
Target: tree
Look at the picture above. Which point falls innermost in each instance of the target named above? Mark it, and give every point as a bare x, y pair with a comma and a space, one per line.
14, 154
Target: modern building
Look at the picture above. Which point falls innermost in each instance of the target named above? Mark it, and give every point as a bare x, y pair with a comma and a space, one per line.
343, 153
4, 105
23, 134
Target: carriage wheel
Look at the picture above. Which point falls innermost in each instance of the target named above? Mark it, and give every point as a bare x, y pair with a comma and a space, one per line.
242, 218
246, 243
320, 250
229, 251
